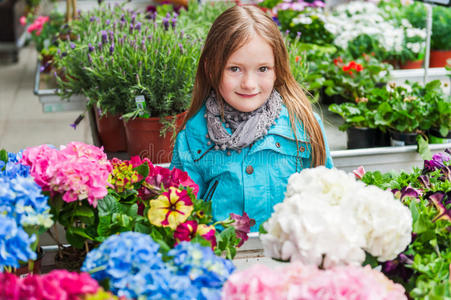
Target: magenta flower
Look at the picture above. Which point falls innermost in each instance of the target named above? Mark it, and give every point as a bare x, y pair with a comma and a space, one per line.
188, 230
242, 226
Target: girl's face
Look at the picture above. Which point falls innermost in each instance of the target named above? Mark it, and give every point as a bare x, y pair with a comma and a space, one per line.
249, 75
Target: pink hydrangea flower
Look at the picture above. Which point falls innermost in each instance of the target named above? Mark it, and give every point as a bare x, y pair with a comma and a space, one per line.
298, 281
78, 171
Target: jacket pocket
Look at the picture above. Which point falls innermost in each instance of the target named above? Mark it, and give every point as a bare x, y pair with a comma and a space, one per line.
211, 191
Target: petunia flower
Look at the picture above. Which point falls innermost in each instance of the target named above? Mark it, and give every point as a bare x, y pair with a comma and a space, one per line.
437, 200
171, 208
242, 226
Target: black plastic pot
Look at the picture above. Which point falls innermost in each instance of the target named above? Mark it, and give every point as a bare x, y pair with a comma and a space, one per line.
436, 138
366, 138
402, 138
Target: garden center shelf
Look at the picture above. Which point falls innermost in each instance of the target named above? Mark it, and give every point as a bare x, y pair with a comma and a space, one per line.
45, 89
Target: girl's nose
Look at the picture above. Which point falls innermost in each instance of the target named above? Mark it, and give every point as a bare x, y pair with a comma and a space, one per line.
248, 82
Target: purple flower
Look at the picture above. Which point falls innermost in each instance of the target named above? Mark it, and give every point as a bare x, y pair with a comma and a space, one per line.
242, 226
298, 34
99, 45
131, 29
138, 26
64, 54
424, 180
133, 18
166, 23
89, 58
107, 22
438, 200
77, 121
112, 48
104, 35
123, 18
407, 191
173, 22
72, 45
92, 19
111, 35
90, 48
101, 58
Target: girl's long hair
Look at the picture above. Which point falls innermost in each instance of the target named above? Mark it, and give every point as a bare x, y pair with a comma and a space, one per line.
231, 30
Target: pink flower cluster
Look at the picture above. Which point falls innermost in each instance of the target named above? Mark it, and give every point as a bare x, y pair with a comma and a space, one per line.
297, 281
56, 285
163, 176
77, 171
38, 24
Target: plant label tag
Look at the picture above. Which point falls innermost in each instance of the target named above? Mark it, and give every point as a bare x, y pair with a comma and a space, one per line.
141, 105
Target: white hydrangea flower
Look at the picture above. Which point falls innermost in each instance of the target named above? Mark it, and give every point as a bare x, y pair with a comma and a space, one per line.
329, 218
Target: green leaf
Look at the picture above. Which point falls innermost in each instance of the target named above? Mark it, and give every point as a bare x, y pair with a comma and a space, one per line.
423, 148
4, 156
142, 170
84, 211
103, 228
75, 240
108, 205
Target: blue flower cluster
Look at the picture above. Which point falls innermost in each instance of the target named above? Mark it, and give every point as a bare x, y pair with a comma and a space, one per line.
22, 205
20, 197
15, 244
207, 272
134, 268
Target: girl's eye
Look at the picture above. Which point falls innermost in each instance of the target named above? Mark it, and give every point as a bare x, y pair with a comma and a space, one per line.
234, 69
263, 69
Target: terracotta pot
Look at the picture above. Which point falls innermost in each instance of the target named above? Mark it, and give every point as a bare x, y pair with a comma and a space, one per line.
438, 58
23, 270
143, 138
412, 64
111, 132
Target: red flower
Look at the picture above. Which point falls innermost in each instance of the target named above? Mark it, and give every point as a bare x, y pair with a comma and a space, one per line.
297, 59
338, 61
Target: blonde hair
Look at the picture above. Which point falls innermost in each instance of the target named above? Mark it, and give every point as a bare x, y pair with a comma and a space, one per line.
230, 31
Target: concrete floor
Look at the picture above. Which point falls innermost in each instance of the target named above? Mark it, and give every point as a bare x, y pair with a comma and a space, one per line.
22, 122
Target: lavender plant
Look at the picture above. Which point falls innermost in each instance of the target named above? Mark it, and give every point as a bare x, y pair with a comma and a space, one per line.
120, 54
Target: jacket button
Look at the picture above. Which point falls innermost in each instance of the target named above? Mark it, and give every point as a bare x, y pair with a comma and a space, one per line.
249, 170
302, 149
199, 151
278, 145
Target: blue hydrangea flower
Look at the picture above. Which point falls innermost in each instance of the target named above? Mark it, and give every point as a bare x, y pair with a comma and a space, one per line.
207, 272
13, 167
20, 196
15, 244
132, 264
22, 199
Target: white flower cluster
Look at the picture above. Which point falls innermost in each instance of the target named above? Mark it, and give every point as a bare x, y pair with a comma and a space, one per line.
358, 18
330, 218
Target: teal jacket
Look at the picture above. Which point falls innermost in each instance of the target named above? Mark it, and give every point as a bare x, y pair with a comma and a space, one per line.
251, 181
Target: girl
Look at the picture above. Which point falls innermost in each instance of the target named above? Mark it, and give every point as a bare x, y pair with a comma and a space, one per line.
250, 125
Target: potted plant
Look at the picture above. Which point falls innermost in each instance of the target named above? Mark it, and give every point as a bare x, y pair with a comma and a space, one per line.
359, 124
44, 32
136, 68
350, 78
441, 22
405, 111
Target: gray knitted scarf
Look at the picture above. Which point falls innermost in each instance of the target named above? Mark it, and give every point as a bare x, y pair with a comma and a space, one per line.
246, 127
